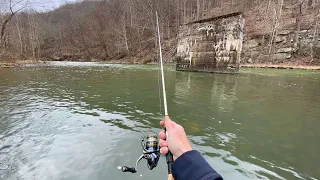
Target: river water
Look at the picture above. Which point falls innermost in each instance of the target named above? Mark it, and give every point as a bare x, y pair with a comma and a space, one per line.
82, 120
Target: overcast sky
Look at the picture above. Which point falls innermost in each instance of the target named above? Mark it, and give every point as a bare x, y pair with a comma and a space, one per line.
51, 4
56, 3
39, 5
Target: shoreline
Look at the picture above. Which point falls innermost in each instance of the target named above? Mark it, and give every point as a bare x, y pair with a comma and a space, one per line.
19, 63
280, 66
7, 65
256, 66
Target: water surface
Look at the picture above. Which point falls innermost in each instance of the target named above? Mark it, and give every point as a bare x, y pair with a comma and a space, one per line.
82, 120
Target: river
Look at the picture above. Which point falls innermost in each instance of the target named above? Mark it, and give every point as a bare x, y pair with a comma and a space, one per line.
82, 120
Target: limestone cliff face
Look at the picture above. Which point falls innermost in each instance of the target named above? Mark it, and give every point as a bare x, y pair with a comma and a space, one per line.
284, 50
211, 45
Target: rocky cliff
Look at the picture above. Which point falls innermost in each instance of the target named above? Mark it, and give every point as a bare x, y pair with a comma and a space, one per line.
211, 45
289, 36
257, 49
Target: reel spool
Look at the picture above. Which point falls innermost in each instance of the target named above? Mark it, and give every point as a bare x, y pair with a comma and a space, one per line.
150, 152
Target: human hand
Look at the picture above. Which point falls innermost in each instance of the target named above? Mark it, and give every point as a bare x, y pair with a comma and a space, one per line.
177, 141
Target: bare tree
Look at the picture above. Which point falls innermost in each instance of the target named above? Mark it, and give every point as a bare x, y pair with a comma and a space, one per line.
276, 23
298, 23
19, 30
14, 8
109, 29
314, 36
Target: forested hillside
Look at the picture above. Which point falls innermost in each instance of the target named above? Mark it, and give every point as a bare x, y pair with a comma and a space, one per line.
277, 31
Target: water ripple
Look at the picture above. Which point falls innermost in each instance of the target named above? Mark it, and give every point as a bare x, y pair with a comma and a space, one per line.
83, 120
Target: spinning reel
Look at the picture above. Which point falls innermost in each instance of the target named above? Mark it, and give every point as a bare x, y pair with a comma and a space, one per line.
150, 152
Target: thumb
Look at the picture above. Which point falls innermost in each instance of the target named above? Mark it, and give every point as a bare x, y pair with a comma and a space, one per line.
169, 125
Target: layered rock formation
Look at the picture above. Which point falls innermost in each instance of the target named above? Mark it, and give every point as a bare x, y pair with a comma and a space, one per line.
284, 50
211, 45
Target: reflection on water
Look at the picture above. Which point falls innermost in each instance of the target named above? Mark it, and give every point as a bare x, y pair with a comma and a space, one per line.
226, 115
83, 120
223, 92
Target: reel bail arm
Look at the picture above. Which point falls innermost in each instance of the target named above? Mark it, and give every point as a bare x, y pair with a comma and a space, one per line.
150, 152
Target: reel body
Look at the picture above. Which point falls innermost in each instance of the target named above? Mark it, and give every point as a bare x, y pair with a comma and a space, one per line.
150, 152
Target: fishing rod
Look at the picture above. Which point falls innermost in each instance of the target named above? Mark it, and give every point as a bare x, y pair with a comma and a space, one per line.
150, 144
169, 156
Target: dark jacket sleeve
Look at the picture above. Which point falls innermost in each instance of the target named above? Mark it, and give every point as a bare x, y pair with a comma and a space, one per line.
192, 166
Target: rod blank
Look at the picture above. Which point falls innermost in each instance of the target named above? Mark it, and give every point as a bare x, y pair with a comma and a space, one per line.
162, 73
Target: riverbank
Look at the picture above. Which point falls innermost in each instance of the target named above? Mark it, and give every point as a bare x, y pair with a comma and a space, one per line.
6, 65
265, 66
18, 63
280, 66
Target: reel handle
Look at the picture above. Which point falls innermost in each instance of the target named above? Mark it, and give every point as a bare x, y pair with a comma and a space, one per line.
128, 169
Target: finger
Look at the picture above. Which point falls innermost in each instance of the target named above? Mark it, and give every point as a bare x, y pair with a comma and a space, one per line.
161, 123
179, 128
169, 125
166, 118
174, 124
164, 150
162, 135
163, 143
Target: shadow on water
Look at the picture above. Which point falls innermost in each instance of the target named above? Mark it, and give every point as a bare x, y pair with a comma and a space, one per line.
82, 120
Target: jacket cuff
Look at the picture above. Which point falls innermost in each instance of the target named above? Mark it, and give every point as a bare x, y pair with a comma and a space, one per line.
191, 165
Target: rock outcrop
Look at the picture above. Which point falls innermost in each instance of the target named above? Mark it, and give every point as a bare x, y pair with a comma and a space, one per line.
284, 50
212, 45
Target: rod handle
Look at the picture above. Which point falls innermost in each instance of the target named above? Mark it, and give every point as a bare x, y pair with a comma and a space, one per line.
169, 156
170, 160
